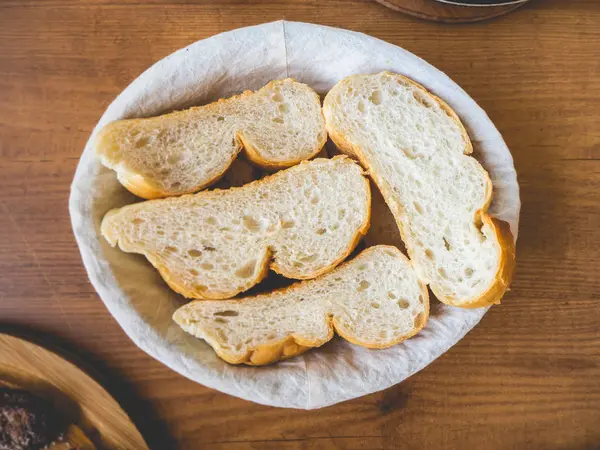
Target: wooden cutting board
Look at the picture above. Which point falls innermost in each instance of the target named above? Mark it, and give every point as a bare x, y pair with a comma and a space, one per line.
443, 12
75, 394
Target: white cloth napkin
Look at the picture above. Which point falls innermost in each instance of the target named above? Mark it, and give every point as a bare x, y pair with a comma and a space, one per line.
227, 64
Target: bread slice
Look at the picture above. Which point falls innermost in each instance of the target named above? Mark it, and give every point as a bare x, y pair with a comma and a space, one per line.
301, 222
375, 300
417, 152
185, 151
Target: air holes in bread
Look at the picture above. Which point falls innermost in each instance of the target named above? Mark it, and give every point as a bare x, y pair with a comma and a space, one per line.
389, 252
361, 106
418, 207
247, 270
251, 224
226, 313
403, 303
284, 108
170, 249
468, 272
321, 231
220, 119
211, 221
194, 253
376, 98
429, 253
141, 142
207, 266
137, 221
363, 285
277, 97
421, 99
391, 295
409, 153
308, 258
288, 224
375, 305
278, 120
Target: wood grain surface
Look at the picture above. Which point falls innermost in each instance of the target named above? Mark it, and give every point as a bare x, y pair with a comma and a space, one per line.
528, 377
75, 394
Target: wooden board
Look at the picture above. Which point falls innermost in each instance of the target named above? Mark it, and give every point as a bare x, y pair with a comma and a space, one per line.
526, 378
443, 12
74, 393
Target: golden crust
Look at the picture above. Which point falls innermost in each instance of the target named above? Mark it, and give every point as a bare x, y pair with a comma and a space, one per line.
137, 184
501, 229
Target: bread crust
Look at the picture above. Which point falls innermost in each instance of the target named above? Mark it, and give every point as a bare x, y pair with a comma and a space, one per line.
139, 185
294, 345
501, 229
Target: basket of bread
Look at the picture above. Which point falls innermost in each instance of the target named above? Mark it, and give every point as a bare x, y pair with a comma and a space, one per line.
293, 223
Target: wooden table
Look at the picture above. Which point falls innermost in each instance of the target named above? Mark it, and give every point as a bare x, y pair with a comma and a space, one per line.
528, 377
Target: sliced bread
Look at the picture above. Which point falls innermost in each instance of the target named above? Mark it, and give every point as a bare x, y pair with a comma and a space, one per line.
301, 222
375, 300
185, 151
417, 152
